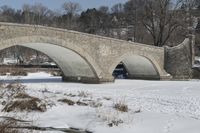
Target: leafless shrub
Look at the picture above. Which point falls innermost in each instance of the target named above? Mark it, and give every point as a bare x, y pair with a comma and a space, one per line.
24, 102
84, 102
32, 104
10, 125
5, 124
107, 98
23, 96
112, 118
56, 73
138, 111
95, 104
81, 103
121, 106
18, 73
83, 94
115, 122
9, 90
15, 85
45, 90
87, 100
68, 101
70, 95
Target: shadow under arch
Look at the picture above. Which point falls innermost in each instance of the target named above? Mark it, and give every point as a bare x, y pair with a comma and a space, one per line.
74, 67
138, 67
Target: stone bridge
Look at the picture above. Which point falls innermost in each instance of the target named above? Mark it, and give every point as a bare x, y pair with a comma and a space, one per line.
84, 57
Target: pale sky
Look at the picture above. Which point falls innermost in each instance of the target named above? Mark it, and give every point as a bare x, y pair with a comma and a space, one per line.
56, 4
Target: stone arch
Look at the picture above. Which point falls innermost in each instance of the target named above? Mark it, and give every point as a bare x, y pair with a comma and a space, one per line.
37, 51
138, 65
69, 46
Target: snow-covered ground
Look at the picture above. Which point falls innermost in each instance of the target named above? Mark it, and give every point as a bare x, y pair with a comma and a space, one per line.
166, 106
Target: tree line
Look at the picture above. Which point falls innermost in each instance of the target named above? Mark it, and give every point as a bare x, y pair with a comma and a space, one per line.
154, 22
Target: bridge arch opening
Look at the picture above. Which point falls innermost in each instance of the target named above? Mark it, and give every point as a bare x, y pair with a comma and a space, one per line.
136, 67
74, 67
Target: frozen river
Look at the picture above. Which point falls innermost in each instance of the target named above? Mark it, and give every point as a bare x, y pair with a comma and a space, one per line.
164, 106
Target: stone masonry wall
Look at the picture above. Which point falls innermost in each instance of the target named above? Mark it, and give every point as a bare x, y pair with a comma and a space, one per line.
102, 53
179, 59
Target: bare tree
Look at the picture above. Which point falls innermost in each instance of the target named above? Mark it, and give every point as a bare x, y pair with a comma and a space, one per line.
189, 7
40, 11
26, 12
161, 19
134, 10
104, 9
190, 3
117, 8
7, 14
71, 8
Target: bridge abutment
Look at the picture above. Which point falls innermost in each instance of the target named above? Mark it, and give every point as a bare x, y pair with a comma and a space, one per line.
179, 60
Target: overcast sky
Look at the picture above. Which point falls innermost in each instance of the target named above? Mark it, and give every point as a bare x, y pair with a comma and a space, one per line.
56, 4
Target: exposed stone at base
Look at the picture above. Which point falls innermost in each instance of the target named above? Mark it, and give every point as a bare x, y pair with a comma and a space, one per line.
88, 80
80, 80
166, 77
196, 73
144, 77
